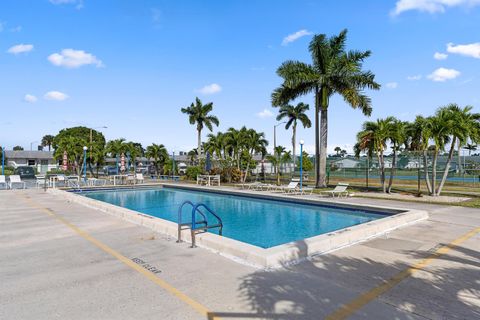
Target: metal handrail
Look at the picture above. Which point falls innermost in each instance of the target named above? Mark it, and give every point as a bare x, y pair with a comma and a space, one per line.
194, 224
181, 224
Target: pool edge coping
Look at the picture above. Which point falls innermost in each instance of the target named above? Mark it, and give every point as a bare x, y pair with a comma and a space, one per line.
256, 256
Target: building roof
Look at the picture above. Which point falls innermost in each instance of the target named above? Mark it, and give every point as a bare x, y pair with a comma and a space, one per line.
24, 154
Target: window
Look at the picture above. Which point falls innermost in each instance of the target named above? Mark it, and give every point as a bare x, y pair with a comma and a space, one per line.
44, 162
31, 162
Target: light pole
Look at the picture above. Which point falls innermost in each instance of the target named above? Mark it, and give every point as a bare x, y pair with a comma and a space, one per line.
301, 164
31, 145
3, 161
85, 148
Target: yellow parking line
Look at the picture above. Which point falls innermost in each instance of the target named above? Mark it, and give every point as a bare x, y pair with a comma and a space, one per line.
356, 304
149, 275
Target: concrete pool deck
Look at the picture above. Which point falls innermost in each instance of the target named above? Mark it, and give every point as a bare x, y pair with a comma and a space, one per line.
61, 260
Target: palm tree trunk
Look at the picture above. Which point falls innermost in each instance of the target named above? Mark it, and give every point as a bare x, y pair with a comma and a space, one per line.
459, 159
393, 168
382, 171
294, 138
447, 167
425, 168
317, 139
323, 145
434, 172
199, 140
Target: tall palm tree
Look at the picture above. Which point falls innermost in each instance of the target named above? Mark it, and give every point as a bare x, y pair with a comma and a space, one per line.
235, 140
397, 137
198, 114
417, 139
255, 142
47, 141
337, 150
216, 144
73, 145
333, 70
159, 154
115, 148
275, 160
462, 126
373, 138
294, 114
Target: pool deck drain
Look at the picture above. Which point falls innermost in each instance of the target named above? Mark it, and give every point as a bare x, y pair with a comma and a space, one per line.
49, 272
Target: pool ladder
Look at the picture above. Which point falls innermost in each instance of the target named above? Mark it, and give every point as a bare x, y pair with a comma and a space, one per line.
197, 226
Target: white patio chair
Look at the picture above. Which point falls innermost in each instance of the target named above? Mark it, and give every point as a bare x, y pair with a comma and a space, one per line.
15, 179
3, 182
40, 181
139, 178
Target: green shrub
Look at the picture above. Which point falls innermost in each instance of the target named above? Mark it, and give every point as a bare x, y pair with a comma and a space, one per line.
193, 172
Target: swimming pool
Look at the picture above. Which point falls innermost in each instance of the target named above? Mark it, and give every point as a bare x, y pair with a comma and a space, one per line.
259, 222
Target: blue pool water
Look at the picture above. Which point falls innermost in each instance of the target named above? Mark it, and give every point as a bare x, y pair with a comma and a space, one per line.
263, 223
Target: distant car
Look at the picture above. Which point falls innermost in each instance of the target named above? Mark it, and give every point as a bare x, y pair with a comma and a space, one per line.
25, 172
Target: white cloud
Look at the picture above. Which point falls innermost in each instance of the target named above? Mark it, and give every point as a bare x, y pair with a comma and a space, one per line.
391, 85
415, 77
30, 98
469, 50
295, 36
210, 89
265, 113
440, 56
55, 95
443, 74
20, 48
431, 6
78, 3
70, 58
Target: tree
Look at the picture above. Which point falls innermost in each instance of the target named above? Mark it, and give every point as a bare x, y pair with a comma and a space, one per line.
470, 148
159, 154
198, 114
69, 139
216, 145
73, 146
373, 139
294, 114
343, 153
397, 138
255, 142
134, 150
115, 148
306, 162
460, 125
47, 141
333, 70
18, 148
235, 140
276, 159
338, 150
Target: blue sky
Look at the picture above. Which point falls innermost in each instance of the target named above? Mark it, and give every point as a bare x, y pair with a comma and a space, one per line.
131, 65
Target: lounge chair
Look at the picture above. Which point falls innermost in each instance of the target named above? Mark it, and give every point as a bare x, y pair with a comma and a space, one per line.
292, 186
139, 178
251, 185
3, 182
340, 190
15, 179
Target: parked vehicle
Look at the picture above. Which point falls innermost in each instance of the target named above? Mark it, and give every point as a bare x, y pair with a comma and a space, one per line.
25, 172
